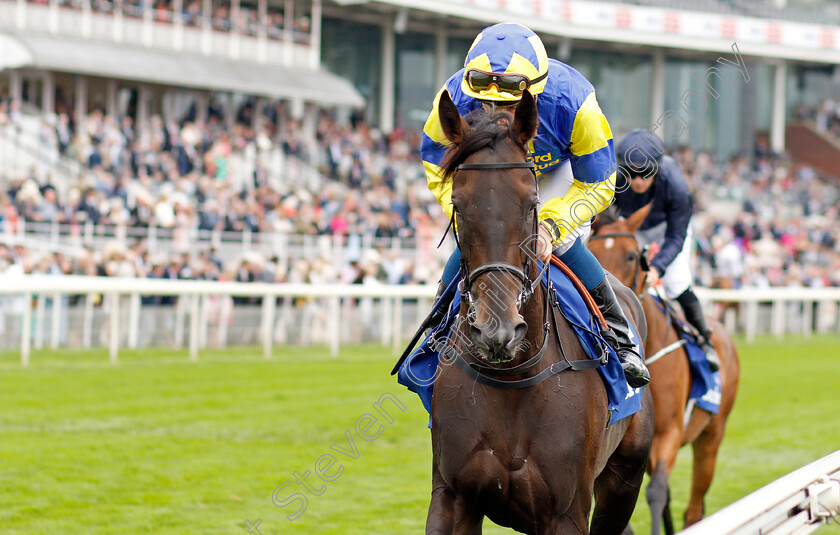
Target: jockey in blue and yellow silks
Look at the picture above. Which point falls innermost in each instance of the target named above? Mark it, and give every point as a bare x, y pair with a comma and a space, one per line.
573, 154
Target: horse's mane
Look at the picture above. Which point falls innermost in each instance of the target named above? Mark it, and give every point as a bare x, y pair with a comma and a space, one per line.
607, 217
486, 131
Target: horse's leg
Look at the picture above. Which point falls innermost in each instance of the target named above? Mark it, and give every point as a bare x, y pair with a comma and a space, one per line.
574, 522
705, 456
448, 514
617, 486
663, 457
657, 496
667, 519
616, 492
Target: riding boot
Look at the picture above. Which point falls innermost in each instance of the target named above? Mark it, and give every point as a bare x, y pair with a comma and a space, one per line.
694, 315
443, 309
618, 335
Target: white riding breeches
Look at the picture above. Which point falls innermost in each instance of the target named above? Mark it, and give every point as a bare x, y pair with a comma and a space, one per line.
557, 184
677, 277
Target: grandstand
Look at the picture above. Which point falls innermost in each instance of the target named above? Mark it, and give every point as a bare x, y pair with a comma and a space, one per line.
284, 135
218, 173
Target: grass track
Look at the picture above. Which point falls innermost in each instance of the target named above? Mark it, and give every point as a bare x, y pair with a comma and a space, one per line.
157, 444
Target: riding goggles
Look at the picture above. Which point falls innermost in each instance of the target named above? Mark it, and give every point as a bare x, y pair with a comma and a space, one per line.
514, 84
631, 172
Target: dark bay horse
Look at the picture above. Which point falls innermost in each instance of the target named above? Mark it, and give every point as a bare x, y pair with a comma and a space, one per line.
615, 246
527, 453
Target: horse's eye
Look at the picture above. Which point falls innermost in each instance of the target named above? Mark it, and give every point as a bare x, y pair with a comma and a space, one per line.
631, 257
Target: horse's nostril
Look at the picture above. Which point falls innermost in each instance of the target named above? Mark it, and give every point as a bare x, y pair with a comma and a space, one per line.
519, 331
475, 332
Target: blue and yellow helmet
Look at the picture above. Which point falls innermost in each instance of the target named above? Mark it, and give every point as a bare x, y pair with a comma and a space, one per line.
504, 60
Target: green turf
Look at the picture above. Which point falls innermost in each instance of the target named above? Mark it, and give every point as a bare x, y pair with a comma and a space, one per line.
156, 444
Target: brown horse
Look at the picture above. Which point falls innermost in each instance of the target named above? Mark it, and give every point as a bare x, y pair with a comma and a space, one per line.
512, 438
616, 248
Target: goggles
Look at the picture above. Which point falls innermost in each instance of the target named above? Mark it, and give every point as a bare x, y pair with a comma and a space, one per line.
514, 84
630, 172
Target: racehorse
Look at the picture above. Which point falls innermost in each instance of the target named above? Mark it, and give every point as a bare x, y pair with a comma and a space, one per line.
615, 246
527, 453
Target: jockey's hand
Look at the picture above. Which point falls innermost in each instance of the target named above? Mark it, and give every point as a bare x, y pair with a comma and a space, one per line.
652, 277
544, 246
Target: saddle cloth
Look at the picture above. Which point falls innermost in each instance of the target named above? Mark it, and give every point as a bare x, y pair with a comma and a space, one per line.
705, 384
419, 370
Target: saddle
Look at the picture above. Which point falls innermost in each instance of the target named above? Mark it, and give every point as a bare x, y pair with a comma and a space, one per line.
705, 385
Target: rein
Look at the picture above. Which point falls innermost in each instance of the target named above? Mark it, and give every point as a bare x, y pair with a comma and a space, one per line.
642, 265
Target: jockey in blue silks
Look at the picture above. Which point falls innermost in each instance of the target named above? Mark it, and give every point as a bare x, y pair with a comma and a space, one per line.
656, 178
573, 154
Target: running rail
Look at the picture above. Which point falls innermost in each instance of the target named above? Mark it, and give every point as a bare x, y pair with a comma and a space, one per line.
795, 504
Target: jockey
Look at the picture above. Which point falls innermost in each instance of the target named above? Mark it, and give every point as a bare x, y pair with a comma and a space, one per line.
657, 178
573, 154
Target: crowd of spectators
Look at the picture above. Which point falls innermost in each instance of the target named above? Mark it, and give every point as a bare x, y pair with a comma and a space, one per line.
825, 115
192, 14
769, 223
760, 221
189, 176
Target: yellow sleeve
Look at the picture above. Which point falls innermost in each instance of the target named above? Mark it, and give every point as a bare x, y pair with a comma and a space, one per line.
432, 150
594, 170
563, 215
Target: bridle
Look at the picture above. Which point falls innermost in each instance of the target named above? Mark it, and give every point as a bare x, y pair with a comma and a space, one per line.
469, 276
642, 265
483, 373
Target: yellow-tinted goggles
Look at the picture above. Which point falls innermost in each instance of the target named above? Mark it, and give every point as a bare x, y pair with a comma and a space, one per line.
514, 84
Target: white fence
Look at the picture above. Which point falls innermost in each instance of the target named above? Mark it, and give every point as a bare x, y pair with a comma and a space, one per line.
314, 313
797, 503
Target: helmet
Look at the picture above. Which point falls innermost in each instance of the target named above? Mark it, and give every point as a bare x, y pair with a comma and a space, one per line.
639, 149
504, 60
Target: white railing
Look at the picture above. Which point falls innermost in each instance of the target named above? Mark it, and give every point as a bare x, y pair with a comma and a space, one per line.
169, 33
333, 302
795, 504
73, 239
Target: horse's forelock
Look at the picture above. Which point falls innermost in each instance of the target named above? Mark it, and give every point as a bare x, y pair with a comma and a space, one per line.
485, 132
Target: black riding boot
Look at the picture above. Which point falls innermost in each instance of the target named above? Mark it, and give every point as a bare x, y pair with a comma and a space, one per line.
694, 315
443, 309
618, 335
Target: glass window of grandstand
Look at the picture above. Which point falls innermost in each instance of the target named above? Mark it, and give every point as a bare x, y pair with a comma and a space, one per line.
622, 83
353, 51
704, 108
457, 49
415, 79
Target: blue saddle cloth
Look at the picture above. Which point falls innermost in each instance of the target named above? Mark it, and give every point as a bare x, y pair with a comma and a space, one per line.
419, 371
705, 384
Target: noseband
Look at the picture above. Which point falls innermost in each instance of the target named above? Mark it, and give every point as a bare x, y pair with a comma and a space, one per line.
641, 259
468, 276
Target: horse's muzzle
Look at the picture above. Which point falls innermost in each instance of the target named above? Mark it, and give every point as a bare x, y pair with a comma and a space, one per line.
499, 342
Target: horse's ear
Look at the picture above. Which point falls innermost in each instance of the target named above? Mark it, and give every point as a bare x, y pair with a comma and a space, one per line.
455, 128
525, 119
607, 217
635, 221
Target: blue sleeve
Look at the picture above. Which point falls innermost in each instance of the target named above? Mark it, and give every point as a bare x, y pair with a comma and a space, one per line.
678, 209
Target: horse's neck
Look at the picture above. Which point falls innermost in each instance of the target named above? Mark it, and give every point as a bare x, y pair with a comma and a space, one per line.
535, 317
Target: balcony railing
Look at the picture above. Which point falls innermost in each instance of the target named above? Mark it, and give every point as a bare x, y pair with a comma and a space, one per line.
162, 29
